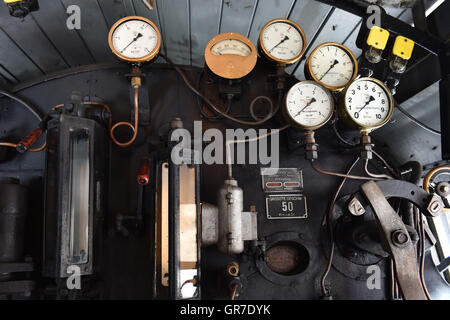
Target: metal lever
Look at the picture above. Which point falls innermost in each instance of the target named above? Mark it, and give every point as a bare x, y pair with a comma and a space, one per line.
395, 235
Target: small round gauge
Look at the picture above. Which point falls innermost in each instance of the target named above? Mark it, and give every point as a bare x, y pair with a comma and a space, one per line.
230, 55
308, 105
366, 103
282, 41
332, 65
135, 39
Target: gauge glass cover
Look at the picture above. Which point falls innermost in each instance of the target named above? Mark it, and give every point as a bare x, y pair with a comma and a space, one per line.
282, 40
332, 65
309, 105
134, 39
231, 46
368, 103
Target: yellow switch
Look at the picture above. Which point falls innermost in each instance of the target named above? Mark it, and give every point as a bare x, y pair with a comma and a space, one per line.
403, 47
378, 38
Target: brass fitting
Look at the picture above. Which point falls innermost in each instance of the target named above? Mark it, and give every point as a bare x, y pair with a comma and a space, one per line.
136, 80
233, 269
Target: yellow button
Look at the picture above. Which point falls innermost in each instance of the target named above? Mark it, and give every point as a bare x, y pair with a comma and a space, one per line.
378, 38
11, 1
403, 47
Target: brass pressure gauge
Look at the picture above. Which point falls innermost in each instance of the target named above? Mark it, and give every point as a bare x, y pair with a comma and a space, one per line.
332, 65
366, 104
308, 105
230, 55
282, 41
135, 39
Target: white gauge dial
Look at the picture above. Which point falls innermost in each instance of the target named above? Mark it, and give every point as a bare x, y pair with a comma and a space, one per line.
282, 41
368, 103
309, 105
231, 46
134, 39
333, 65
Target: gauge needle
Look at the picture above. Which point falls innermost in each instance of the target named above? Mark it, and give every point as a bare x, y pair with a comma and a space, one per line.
367, 103
137, 37
335, 62
284, 39
307, 105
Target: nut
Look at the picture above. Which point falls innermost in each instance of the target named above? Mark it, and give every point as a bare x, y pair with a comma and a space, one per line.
399, 238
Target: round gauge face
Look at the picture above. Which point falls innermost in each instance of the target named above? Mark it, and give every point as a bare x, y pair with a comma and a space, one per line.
368, 103
332, 65
230, 55
282, 41
231, 46
309, 105
135, 39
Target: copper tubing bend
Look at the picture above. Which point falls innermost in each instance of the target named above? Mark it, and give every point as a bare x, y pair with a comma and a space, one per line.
128, 124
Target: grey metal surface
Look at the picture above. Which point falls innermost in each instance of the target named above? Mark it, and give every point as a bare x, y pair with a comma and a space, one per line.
408, 140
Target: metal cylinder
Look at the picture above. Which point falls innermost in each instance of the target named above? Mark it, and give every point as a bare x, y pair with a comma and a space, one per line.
230, 203
13, 210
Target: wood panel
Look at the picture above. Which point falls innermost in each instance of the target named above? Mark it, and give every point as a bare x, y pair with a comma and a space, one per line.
237, 15
15, 62
174, 15
205, 18
94, 29
112, 10
266, 11
30, 38
68, 42
338, 27
309, 15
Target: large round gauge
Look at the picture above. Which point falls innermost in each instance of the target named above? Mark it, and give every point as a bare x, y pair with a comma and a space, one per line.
230, 55
366, 103
282, 41
135, 39
308, 105
332, 65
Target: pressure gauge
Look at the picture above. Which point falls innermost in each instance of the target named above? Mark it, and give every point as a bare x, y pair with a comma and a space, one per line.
367, 104
282, 41
332, 65
230, 55
308, 105
135, 39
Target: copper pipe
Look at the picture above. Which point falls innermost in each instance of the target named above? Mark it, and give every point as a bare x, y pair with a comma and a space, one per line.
233, 292
128, 124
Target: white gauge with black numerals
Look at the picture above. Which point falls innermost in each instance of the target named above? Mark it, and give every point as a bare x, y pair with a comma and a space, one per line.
231, 46
308, 105
367, 103
282, 41
332, 65
135, 39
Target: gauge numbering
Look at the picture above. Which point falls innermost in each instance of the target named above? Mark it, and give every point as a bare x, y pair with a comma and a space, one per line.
332, 65
135, 39
368, 103
282, 41
309, 105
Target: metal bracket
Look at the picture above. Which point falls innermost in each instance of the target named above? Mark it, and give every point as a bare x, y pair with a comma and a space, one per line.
395, 236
